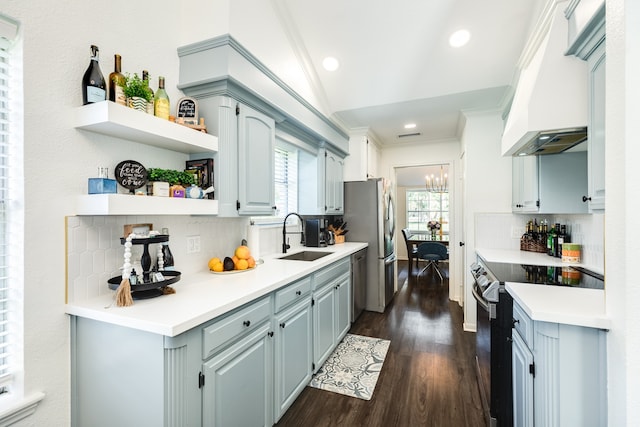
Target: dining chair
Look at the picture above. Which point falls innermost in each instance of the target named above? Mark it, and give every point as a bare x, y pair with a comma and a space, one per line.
412, 250
432, 252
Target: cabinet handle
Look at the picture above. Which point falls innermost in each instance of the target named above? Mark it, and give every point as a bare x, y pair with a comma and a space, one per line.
298, 293
282, 325
586, 198
270, 334
513, 323
246, 323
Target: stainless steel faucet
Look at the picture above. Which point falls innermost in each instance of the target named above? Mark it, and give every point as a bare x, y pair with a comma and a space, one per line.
286, 246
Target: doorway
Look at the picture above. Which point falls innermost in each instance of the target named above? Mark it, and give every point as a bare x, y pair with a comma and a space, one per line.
416, 207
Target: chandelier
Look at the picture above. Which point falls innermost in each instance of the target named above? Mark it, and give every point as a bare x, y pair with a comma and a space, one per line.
437, 184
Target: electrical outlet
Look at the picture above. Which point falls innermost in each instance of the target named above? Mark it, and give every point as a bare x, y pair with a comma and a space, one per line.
193, 244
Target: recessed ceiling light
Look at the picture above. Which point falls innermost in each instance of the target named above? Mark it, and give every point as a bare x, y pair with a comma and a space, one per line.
410, 126
459, 38
330, 63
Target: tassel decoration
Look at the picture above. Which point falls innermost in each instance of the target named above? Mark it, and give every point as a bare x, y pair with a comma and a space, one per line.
123, 294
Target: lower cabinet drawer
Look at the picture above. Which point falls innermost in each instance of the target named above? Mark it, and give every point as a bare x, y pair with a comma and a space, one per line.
293, 292
329, 273
236, 324
523, 324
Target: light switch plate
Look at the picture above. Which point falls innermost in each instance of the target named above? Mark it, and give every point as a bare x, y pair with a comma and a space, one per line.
193, 244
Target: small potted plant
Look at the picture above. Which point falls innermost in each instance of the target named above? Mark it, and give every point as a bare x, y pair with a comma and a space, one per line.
136, 90
169, 182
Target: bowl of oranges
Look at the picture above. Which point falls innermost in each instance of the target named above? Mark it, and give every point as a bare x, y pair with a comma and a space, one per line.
240, 262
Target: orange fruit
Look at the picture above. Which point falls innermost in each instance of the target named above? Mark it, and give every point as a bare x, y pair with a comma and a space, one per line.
235, 261
251, 262
218, 267
242, 252
242, 264
213, 261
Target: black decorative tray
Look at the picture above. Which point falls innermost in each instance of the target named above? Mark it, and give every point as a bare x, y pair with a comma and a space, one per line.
147, 290
160, 238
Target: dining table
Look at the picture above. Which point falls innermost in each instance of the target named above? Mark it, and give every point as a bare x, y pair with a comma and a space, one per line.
417, 238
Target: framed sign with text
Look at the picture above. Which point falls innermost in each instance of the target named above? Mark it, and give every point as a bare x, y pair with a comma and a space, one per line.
131, 175
187, 110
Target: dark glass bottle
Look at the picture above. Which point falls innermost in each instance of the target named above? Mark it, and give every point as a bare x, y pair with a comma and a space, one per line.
94, 87
167, 256
116, 78
145, 78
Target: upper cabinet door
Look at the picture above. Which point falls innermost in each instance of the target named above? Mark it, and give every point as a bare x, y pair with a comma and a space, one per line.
596, 142
525, 192
256, 151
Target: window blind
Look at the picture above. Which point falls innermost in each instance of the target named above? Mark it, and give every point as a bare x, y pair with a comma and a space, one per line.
286, 181
9, 331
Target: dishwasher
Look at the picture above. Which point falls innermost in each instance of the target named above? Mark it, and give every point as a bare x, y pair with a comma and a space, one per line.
358, 283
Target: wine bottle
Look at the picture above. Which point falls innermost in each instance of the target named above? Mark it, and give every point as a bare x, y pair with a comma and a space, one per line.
161, 102
94, 87
116, 79
150, 106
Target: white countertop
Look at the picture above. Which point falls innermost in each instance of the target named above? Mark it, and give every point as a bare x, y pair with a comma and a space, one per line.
203, 296
557, 304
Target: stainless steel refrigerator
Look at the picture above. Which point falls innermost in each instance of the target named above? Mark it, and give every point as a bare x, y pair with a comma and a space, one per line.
370, 217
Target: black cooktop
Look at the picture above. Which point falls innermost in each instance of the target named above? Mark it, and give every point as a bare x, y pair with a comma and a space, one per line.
577, 277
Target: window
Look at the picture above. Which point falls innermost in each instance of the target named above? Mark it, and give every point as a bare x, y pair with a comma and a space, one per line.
11, 212
423, 206
286, 180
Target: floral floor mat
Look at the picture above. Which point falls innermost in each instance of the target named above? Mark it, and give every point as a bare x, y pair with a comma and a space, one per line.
354, 367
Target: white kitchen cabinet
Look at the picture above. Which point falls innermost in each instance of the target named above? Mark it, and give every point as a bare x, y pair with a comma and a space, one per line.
111, 119
321, 183
559, 370
525, 184
293, 344
362, 162
588, 43
245, 161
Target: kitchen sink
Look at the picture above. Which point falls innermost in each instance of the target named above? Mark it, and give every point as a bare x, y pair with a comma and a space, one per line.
305, 256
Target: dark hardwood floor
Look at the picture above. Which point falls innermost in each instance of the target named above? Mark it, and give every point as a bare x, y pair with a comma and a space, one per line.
428, 377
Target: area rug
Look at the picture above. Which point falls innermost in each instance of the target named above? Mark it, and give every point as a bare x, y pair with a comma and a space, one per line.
353, 367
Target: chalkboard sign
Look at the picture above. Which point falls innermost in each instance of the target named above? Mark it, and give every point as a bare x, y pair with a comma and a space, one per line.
187, 109
131, 174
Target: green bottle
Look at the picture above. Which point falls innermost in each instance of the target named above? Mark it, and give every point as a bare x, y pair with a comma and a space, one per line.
161, 102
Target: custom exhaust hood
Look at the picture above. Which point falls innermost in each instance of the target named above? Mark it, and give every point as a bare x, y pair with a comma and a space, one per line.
550, 106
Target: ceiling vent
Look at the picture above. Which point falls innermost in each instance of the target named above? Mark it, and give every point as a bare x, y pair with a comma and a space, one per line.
407, 135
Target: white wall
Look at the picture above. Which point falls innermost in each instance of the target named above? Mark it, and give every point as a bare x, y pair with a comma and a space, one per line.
622, 234
59, 158
487, 187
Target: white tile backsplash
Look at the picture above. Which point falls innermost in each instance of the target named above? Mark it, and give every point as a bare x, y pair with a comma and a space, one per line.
494, 231
94, 252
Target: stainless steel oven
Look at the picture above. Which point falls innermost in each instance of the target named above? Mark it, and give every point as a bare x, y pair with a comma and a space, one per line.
493, 346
